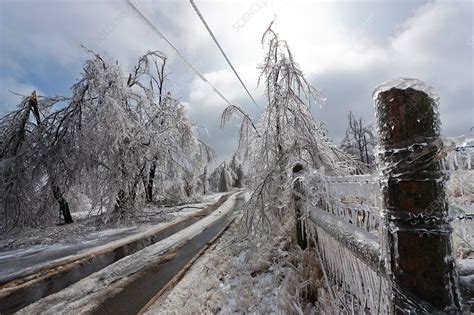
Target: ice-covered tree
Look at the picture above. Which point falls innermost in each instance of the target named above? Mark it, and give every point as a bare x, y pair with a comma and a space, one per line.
180, 156
222, 178
359, 140
175, 154
29, 185
101, 142
287, 132
143, 132
149, 75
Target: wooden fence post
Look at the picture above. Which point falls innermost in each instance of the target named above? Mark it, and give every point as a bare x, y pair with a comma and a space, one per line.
298, 201
417, 230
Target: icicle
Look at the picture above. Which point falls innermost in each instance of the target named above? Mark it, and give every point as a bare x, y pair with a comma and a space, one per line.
355, 283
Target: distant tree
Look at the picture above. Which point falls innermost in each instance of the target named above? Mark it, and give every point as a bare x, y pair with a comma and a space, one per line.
359, 140
172, 139
237, 171
221, 178
204, 181
224, 180
179, 155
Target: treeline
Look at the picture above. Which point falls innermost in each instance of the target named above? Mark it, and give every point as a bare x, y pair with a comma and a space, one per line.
117, 141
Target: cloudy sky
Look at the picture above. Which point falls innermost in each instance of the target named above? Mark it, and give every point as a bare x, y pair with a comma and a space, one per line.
345, 48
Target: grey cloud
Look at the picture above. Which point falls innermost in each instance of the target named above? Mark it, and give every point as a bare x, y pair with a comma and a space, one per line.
440, 53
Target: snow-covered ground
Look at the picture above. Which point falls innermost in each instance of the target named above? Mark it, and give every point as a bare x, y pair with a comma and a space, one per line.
240, 274
34, 249
230, 278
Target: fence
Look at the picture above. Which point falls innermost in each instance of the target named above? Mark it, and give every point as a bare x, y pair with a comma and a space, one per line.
390, 243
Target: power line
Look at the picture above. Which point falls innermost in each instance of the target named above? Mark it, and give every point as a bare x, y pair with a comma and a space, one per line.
222, 51
162, 36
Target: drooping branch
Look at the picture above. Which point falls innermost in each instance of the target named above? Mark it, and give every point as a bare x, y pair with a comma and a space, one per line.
231, 110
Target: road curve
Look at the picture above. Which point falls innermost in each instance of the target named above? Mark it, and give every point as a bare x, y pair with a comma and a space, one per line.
127, 285
20, 292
